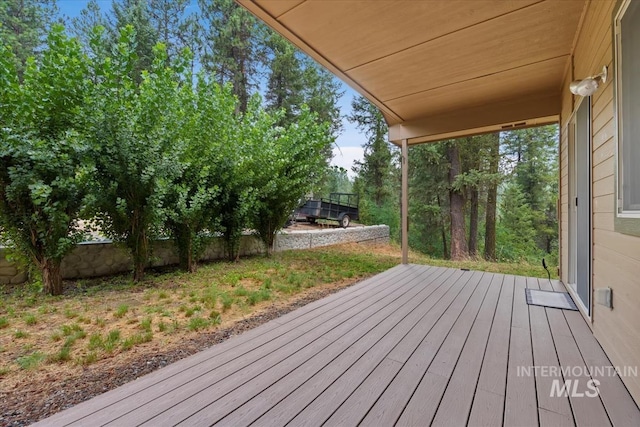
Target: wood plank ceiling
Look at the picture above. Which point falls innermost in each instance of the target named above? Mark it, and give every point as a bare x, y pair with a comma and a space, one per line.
439, 68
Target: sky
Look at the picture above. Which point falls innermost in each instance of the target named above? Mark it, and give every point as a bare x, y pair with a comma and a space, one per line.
348, 147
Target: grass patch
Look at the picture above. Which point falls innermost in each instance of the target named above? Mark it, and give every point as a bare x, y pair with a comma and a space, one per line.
258, 296
121, 311
198, 323
30, 319
30, 361
4, 323
20, 334
136, 339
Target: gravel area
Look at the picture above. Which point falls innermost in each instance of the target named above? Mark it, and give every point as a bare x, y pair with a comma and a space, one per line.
30, 402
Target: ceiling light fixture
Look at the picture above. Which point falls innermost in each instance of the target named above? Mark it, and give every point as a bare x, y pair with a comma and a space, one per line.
590, 85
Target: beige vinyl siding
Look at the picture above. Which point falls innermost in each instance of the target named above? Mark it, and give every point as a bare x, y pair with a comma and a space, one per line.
616, 257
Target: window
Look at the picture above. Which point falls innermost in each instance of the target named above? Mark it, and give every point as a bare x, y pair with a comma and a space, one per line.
627, 61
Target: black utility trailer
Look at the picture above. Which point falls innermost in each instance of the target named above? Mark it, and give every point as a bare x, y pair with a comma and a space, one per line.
341, 207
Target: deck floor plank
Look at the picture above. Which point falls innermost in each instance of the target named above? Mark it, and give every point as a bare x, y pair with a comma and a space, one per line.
179, 401
445, 360
412, 346
333, 396
544, 356
289, 386
521, 407
249, 341
370, 332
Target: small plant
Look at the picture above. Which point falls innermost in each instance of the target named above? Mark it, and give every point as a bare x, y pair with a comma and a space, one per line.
241, 291
70, 314
91, 357
31, 361
226, 300
121, 311
215, 317
162, 327
4, 323
145, 324
197, 323
163, 295
100, 322
95, 342
30, 319
4, 371
258, 296
20, 334
68, 330
63, 355
113, 338
136, 339
56, 336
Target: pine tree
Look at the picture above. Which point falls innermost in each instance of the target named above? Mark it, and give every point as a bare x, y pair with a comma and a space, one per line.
23, 26
231, 46
375, 168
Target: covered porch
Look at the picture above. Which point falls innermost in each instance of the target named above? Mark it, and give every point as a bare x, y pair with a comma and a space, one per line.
415, 345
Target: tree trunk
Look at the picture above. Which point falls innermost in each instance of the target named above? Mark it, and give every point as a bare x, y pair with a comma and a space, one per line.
459, 248
184, 241
473, 223
492, 196
140, 255
443, 231
51, 276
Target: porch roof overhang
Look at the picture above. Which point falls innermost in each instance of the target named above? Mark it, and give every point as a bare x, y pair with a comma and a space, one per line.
440, 69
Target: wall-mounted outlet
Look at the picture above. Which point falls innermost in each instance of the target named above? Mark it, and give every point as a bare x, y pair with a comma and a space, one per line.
604, 297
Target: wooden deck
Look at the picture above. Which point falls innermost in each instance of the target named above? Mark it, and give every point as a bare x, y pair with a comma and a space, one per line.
415, 345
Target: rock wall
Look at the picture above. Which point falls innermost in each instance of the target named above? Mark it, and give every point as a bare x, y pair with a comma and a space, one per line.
93, 259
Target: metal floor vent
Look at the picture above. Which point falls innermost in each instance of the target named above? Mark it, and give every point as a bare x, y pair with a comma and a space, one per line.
550, 299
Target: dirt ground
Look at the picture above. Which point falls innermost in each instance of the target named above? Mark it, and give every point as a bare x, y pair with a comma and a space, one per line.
28, 399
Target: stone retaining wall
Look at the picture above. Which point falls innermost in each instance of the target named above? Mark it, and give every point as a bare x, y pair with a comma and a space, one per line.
92, 259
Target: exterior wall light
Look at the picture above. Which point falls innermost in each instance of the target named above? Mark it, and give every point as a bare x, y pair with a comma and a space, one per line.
590, 85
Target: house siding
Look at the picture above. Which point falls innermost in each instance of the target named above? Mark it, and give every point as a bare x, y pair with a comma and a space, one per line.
616, 256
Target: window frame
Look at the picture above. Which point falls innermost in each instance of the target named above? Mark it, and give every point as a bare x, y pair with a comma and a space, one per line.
626, 221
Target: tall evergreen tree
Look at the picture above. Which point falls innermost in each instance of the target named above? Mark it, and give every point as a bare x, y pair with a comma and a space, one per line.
285, 77
375, 168
231, 46
136, 14
459, 245
167, 18
492, 199
23, 26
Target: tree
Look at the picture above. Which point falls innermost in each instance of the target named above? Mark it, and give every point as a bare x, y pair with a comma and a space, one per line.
135, 13
284, 78
44, 170
429, 207
193, 200
375, 169
230, 46
24, 25
531, 155
168, 19
516, 229
336, 180
492, 199
84, 24
288, 162
132, 128
459, 247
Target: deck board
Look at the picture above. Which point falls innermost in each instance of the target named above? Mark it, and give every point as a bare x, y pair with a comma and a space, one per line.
412, 346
